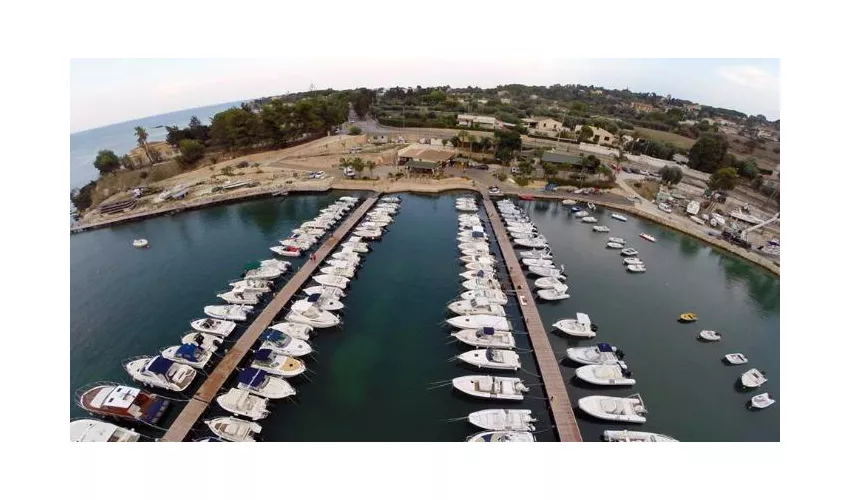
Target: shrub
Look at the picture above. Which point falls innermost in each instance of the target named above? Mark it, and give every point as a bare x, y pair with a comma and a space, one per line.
355, 130
638, 184
227, 170
502, 177
522, 181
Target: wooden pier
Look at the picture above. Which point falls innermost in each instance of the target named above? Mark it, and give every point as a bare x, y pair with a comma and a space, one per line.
212, 385
553, 381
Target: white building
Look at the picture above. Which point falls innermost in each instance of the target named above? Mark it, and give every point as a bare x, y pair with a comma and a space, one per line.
488, 122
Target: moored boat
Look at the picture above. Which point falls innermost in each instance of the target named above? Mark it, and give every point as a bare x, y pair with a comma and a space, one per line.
647, 237
243, 403
636, 268
578, 327
761, 401
214, 326
628, 252
600, 354
286, 251
628, 409
501, 437
753, 378
616, 373
710, 335
277, 364
120, 401
160, 372
87, 430
554, 293
310, 314
550, 282
489, 387
486, 337
234, 429
503, 420
295, 330
736, 358
626, 436
494, 296
331, 280
187, 354
479, 321
231, 312
284, 344
494, 359
619, 217
263, 384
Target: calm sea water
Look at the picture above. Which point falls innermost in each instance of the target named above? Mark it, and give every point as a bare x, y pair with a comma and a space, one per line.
369, 379
121, 138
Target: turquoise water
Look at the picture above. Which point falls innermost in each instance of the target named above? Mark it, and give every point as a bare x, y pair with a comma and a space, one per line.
369, 378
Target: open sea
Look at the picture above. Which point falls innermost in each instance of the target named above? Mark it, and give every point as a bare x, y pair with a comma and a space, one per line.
370, 378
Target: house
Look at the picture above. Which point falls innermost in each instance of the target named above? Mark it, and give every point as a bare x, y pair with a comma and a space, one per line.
596, 92
420, 166
641, 106
159, 150
427, 153
505, 100
600, 135
543, 125
486, 122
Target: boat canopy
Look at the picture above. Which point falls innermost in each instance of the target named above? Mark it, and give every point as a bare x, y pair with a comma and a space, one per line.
314, 298
263, 355
159, 365
188, 352
252, 377
488, 330
604, 347
477, 234
272, 335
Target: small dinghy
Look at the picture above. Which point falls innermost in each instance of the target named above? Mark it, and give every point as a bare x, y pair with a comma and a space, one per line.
628, 252
331, 280
601, 229
647, 237
262, 384
494, 359
619, 217
752, 379
480, 321
709, 335
141, 243
231, 312
187, 354
295, 330
582, 213
243, 403
310, 314
330, 292
532, 242
535, 254
240, 297
761, 401
538, 262
550, 282
687, 317
546, 272
626, 436
736, 358
617, 240
277, 364
287, 251
629, 409
325, 303
476, 306
632, 261
614, 244
486, 337
600, 354
284, 344
608, 374
214, 326
579, 327
234, 429
636, 268
554, 293
337, 271
501, 437
489, 387
160, 372
503, 420
568, 202
589, 220
493, 296
482, 284
252, 285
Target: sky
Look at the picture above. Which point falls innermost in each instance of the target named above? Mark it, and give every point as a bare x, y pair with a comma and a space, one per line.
106, 91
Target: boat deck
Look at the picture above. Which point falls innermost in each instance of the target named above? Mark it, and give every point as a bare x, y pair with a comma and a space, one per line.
553, 381
184, 422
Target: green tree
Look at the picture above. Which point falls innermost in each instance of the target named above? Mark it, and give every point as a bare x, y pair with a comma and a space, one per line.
142, 140
127, 162
358, 165
550, 170
81, 198
191, 151
748, 168
585, 133
671, 175
486, 143
723, 179
507, 143
371, 166
455, 141
106, 161
355, 130
707, 153
236, 128
525, 167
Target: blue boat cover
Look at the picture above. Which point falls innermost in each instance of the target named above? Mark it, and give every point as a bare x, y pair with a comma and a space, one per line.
477, 234
252, 377
314, 297
263, 355
488, 330
480, 274
160, 365
188, 352
271, 335
487, 437
604, 347
575, 209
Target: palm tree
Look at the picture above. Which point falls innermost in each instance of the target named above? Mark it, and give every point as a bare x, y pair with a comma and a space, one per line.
142, 139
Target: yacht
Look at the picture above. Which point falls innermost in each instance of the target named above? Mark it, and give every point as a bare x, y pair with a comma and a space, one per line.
120, 401
626, 436
310, 314
234, 429
579, 327
214, 326
295, 330
277, 364
480, 321
284, 344
264, 286
205, 341
244, 404
600, 354
616, 373
503, 420
493, 296
628, 409
160, 372
501, 437
489, 387
187, 354
87, 430
494, 359
231, 312
486, 337
262, 384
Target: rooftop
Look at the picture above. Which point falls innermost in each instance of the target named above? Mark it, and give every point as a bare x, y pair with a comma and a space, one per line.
559, 157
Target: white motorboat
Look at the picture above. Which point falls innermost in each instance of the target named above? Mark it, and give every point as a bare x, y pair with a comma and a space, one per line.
310, 314
205, 341
619, 217
240, 296
369, 234
331, 280
554, 293
325, 303
350, 257
390, 199
262, 384
252, 285
753, 378
187, 354
636, 268
286, 251
546, 272
296, 330
489, 387
601, 229
582, 213
345, 264
470, 239
647, 237
617, 240
626, 436
277, 364
284, 344
600, 354
214, 326
356, 247
736, 358
477, 259
478, 266
281, 265
337, 271
578, 327
632, 261
474, 246
501, 437
484, 275
482, 284
589, 220
568, 202
550, 282
614, 244
521, 235
494, 359
493, 296
87, 430
476, 306
629, 409
309, 231
522, 228
231, 312
628, 252
243, 403
532, 242
160, 372
608, 374
486, 337
480, 321
330, 292
665, 208
297, 243
535, 254
538, 262
263, 273
141, 243
479, 252
761, 401
234, 429
710, 335
503, 420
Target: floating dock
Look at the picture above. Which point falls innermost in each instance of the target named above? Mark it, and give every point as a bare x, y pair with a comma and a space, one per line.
212, 385
553, 381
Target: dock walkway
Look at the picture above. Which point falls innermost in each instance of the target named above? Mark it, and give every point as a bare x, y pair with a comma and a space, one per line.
212, 385
553, 381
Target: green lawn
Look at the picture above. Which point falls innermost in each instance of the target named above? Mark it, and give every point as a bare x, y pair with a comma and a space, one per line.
658, 135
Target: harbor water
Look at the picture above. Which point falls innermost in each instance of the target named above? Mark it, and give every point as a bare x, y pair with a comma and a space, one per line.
381, 375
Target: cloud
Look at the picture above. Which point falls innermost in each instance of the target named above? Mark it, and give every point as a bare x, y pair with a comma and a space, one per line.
749, 76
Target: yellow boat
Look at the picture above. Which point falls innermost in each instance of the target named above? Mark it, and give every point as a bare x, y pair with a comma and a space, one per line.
688, 317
